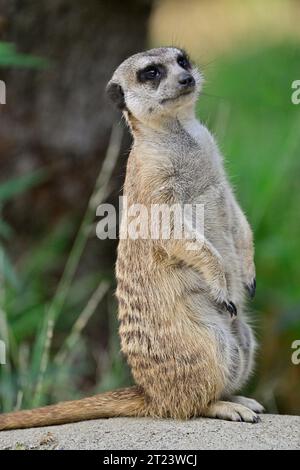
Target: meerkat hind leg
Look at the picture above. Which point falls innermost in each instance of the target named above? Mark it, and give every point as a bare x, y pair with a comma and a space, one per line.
248, 402
231, 412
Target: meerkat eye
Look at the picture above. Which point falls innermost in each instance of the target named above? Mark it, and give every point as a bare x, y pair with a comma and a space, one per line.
183, 62
149, 73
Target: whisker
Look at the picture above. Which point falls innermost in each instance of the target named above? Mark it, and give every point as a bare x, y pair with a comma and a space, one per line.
214, 96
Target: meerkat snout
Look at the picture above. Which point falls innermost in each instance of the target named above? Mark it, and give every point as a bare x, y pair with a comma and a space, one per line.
157, 83
186, 80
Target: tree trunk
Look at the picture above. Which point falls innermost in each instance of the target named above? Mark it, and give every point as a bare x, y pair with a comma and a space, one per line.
59, 118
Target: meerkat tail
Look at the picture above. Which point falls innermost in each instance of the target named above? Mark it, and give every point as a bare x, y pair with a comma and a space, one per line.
123, 402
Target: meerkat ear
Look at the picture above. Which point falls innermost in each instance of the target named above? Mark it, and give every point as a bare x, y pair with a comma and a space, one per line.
116, 94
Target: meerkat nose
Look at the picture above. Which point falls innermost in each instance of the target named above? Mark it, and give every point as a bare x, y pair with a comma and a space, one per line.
186, 80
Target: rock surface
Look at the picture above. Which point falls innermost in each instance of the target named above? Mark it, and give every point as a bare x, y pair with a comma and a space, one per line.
273, 432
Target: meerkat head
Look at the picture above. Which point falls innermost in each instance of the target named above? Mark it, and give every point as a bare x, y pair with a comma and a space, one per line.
154, 84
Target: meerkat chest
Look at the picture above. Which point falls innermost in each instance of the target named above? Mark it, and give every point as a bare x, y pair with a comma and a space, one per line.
200, 176
201, 135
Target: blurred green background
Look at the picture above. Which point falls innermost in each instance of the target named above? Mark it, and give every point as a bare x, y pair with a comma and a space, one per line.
57, 306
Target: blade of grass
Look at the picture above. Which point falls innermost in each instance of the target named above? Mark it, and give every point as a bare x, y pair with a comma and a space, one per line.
81, 322
9, 57
18, 185
6, 397
47, 340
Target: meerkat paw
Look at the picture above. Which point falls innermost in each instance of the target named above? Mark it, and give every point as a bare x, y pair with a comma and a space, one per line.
231, 412
227, 305
249, 403
221, 297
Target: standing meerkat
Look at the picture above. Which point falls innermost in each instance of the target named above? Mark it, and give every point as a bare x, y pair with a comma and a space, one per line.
183, 325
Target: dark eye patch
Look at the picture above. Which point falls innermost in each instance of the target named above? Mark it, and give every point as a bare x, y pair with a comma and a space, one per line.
153, 73
183, 61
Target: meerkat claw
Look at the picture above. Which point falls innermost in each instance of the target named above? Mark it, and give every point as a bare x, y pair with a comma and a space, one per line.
251, 288
231, 308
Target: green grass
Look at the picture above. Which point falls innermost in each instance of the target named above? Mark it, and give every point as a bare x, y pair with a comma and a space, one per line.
9, 57
258, 130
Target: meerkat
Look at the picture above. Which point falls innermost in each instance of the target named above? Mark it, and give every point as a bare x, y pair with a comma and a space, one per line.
182, 312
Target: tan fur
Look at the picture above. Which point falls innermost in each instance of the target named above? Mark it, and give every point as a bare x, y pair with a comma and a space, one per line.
187, 354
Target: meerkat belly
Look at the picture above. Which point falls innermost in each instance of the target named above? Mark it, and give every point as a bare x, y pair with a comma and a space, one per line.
234, 338
218, 230
235, 345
